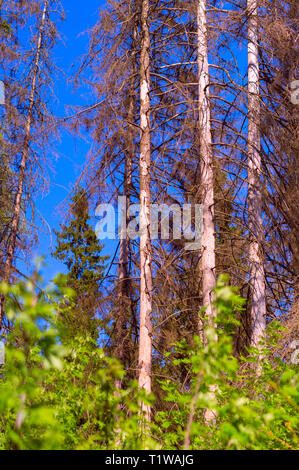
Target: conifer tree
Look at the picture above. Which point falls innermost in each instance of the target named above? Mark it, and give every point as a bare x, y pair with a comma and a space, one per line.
79, 249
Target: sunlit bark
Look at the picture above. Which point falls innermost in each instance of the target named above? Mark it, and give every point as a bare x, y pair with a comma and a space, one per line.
257, 270
145, 342
207, 177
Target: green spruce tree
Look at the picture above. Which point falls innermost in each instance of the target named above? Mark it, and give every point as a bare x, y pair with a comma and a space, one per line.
79, 249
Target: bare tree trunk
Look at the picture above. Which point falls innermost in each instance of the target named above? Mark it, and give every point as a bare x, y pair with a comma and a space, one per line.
18, 201
257, 270
207, 179
145, 341
206, 159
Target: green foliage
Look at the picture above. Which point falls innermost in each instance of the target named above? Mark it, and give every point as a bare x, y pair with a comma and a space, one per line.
57, 394
32, 351
79, 249
254, 408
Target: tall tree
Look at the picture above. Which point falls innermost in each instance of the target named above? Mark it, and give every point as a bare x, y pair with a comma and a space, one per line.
113, 57
207, 175
206, 161
145, 339
10, 252
256, 258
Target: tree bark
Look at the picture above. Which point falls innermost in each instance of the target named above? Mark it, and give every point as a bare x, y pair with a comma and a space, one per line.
257, 270
145, 341
22, 173
206, 160
207, 180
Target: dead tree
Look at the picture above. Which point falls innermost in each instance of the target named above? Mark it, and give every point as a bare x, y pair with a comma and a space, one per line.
257, 268
145, 339
22, 171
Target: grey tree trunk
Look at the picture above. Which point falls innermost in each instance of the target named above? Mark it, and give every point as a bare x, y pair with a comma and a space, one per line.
22, 172
145, 341
257, 270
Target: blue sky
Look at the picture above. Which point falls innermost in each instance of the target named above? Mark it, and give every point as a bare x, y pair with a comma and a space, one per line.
71, 150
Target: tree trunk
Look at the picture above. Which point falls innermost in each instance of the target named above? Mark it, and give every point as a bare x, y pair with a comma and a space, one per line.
18, 201
145, 341
206, 160
207, 179
257, 270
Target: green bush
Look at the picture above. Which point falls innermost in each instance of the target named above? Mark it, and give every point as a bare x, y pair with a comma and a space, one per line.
58, 393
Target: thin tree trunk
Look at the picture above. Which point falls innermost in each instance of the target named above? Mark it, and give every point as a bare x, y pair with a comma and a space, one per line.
18, 201
207, 177
206, 159
257, 270
145, 341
